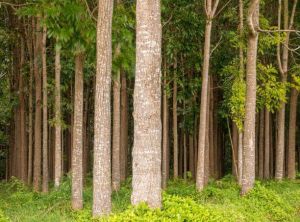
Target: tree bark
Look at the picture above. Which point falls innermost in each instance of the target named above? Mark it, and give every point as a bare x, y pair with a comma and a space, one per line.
175, 131
146, 178
116, 167
249, 126
291, 159
77, 178
102, 122
58, 143
165, 142
45, 114
267, 145
38, 109
124, 128
261, 145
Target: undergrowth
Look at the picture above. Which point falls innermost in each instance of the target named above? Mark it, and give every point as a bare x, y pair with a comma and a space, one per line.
220, 201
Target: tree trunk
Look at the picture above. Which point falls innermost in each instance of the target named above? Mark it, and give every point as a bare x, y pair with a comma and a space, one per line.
261, 145
102, 122
291, 171
165, 142
175, 130
38, 110
235, 145
249, 126
267, 145
23, 147
240, 158
45, 114
200, 178
191, 155
116, 167
146, 175
58, 143
124, 127
77, 179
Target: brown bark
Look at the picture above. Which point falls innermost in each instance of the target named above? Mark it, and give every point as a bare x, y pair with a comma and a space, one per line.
116, 167
45, 114
291, 158
235, 143
102, 122
283, 67
146, 175
175, 130
124, 128
58, 143
267, 145
22, 113
77, 179
200, 178
249, 126
261, 145
165, 136
191, 155
38, 109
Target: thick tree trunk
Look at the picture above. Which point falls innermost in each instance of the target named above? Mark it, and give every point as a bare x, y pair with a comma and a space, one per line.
45, 114
249, 131
58, 143
38, 110
146, 175
77, 179
291, 158
267, 145
102, 122
124, 128
116, 167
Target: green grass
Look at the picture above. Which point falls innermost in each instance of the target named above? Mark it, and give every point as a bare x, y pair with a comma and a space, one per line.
220, 201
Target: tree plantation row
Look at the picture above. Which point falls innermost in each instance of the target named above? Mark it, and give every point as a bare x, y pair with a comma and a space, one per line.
150, 90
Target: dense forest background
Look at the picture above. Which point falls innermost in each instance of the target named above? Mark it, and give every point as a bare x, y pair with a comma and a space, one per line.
114, 92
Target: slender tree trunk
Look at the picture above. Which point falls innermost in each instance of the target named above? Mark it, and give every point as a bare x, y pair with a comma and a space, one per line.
200, 176
23, 147
77, 179
261, 145
124, 127
45, 114
38, 110
102, 122
235, 145
175, 130
165, 142
240, 158
184, 156
58, 143
267, 145
249, 132
116, 167
146, 175
291, 159
191, 155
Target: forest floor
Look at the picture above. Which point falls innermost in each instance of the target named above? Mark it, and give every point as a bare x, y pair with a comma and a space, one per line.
220, 201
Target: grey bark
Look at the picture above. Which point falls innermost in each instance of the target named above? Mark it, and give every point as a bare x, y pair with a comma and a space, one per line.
147, 150
102, 121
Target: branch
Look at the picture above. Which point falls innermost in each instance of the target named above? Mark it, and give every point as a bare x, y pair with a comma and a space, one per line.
252, 8
215, 8
224, 6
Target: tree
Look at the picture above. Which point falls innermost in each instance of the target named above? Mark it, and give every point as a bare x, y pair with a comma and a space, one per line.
38, 108
102, 121
58, 148
146, 163
45, 113
249, 125
211, 9
77, 177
